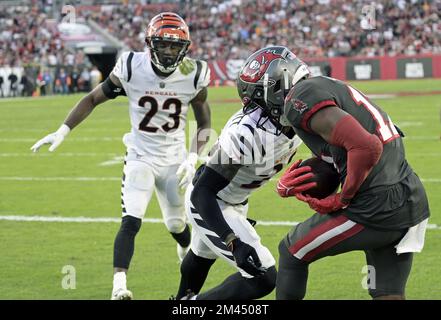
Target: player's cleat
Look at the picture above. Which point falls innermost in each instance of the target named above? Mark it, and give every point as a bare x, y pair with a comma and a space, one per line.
182, 252
122, 294
189, 296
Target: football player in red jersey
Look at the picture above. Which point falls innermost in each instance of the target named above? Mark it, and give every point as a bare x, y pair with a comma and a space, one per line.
382, 208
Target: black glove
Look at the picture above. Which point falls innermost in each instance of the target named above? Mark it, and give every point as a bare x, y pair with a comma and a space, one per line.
246, 257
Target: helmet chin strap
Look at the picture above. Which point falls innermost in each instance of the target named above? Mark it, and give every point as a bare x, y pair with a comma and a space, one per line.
265, 88
285, 80
159, 66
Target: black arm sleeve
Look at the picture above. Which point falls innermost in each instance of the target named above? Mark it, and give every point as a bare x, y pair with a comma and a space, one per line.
204, 199
111, 90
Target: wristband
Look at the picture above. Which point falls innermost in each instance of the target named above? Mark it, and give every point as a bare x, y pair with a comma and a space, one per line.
193, 158
63, 130
229, 238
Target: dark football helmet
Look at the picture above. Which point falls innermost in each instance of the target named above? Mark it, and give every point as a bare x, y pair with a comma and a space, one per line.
168, 39
266, 78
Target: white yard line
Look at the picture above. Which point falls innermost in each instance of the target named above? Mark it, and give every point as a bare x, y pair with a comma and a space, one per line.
429, 180
146, 220
61, 154
44, 130
116, 160
60, 178
382, 96
85, 139
428, 138
94, 139
405, 124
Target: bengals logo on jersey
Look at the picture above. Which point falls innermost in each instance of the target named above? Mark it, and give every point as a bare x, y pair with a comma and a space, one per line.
257, 67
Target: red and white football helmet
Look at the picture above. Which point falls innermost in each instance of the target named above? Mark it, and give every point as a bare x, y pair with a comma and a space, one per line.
168, 39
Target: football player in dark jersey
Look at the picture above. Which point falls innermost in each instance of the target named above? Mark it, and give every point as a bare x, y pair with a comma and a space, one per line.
381, 197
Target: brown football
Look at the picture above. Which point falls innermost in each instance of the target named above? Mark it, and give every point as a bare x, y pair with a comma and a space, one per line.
325, 175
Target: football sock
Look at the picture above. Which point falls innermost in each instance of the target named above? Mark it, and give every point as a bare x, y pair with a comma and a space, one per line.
120, 280
292, 276
237, 287
194, 271
125, 242
183, 238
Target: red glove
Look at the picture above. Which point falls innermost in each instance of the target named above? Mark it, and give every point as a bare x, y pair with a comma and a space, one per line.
326, 205
292, 181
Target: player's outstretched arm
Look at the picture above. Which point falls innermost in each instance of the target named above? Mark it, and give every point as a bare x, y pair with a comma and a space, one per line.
202, 115
216, 176
81, 110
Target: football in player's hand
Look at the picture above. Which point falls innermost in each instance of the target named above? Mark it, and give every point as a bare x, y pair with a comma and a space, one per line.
325, 175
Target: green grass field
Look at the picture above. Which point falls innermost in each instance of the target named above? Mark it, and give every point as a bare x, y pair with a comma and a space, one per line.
34, 253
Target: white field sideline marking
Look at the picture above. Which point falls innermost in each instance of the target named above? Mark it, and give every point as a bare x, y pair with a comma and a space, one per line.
60, 178
428, 180
85, 139
89, 139
43, 131
147, 220
429, 138
61, 154
116, 160
406, 124
382, 96
114, 155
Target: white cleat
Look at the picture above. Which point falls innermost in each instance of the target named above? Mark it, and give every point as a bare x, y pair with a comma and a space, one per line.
182, 252
122, 294
189, 296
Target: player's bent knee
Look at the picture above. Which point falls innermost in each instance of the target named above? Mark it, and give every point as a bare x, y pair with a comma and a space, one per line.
131, 225
287, 259
291, 277
175, 225
267, 281
192, 263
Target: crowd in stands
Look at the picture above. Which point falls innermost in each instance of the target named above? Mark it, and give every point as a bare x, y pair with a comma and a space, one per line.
220, 30
46, 81
311, 28
34, 58
29, 36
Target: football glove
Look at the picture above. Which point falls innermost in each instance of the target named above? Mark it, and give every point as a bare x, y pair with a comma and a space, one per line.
246, 257
186, 171
54, 139
324, 206
293, 180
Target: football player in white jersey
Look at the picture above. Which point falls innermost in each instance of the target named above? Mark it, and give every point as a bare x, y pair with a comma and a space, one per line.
249, 151
160, 85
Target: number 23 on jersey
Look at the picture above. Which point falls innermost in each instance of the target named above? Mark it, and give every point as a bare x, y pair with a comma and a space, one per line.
154, 107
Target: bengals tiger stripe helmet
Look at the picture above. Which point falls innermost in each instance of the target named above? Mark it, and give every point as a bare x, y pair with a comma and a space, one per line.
168, 39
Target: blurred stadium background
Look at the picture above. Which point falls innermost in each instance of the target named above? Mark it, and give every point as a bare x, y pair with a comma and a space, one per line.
59, 49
